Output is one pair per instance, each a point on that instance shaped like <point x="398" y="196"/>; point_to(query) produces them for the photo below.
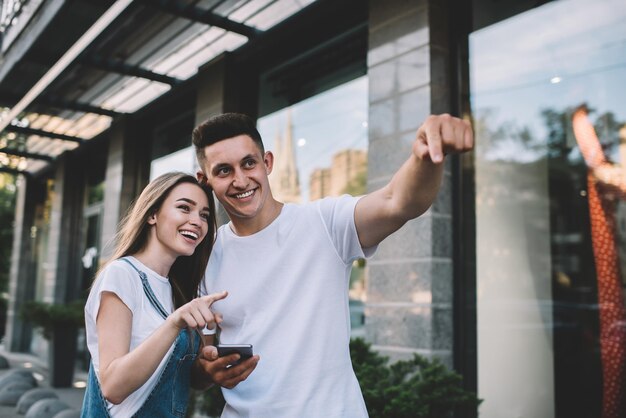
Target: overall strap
<point x="148" y="290"/>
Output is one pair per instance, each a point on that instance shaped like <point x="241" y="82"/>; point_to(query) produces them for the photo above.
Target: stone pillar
<point x="62" y="260"/>
<point x="210" y="98"/>
<point x="22" y="274"/>
<point x="409" y="282"/>
<point x="225" y="86"/>
<point x="126" y="174"/>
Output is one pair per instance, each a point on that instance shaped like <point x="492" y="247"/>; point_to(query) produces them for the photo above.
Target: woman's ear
<point x="152" y="219"/>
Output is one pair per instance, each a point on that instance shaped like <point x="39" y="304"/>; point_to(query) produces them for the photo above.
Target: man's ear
<point x="201" y="177"/>
<point x="268" y="160"/>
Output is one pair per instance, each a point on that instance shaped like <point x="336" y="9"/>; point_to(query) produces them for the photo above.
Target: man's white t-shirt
<point x="121" y="279"/>
<point x="288" y="297"/>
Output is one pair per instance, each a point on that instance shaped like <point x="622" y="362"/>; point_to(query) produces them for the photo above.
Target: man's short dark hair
<point x="224" y="126"/>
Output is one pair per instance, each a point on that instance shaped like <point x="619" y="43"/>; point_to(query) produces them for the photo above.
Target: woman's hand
<point x="197" y="313"/>
<point x="121" y="371"/>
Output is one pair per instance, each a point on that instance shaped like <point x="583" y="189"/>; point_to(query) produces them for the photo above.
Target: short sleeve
<point x="119" y="279"/>
<point x="337" y="214"/>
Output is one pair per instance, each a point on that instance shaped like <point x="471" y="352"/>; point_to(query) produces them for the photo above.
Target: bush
<point x="48" y="316"/>
<point x="417" y="388"/>
<point x="210" y="402"/>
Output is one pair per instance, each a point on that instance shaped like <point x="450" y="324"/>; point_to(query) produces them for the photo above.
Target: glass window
<point x="548" y="90"/>
<point x="319" y="144"/>
<point x="320" y="148"/>
<point x="183" y="160"/>
<point x="171" y="147"/>
<point x="95" y="193"/>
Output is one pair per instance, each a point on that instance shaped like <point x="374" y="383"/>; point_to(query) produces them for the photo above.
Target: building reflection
<point x="347" y="174"/>
<point x="605" y="185"/>
<point x="325" y="163"/>
<point x="284" y="178"/>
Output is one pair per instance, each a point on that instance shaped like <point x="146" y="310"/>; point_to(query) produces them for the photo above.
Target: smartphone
<point x="244" y="351"/>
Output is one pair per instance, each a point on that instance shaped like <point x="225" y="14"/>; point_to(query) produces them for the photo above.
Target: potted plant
<point x="59" y="324"/>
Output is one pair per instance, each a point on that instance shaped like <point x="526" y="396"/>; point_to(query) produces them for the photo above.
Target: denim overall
<point x="170" y="395"/>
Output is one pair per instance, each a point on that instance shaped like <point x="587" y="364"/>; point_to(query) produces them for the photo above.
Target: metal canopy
<point x="13" y="171"/>
<point x="120" y="67"/>
<point x="197" y="14"/>
<point x="61" y="103"/>
<point x="47" y="134"/>
<point x="71" y="71"/>
<point x="27" y="155"/>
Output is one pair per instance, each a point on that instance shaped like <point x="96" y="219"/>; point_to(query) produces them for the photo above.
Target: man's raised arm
<point x="414" y="186"/>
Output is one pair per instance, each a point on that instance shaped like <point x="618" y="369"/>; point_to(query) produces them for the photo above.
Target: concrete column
<point x="61" y="279"/>
<point x="210" y="98"/>
<point x="211" y="86"/>
<point x="225" y="86"/>
<point x="409" y="282"/>
<point x="22" y="273"/>
<point x="126" y="174"/>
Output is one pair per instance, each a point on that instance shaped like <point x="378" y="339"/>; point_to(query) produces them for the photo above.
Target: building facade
<point x="514" y="277"/>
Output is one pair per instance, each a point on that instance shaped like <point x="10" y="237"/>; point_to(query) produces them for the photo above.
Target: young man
<point x="286" y="268"/>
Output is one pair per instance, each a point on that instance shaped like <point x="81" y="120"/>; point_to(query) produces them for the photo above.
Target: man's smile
<point x="243" y="195"/>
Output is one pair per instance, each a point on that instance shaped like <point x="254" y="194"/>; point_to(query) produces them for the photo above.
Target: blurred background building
<point x="514" y="277"/>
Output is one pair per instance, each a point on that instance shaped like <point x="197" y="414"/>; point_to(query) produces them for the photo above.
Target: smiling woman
<point x="143" y="303"/>
<point x="178" y="226"/>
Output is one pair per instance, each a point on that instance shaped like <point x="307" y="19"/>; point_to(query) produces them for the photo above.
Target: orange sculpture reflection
<point x="605" y="182"/>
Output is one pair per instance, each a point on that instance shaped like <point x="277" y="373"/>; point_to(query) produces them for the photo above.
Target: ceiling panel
<point x="144" y="36"/>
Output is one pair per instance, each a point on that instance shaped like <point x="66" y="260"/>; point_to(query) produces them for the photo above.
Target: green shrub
<point x="47" y="316"/>
<point x="210" y="402"/>
<point x="416" y="388"/>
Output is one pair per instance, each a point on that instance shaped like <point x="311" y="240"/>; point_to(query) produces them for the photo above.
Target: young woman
<point x="142" y="310"/>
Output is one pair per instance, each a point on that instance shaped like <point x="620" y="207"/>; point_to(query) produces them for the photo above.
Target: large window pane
<point x="548" y="90"/>
<point x="320" y="148"/>
<point x="183" y="160"/>
<point x="320" y="144"/>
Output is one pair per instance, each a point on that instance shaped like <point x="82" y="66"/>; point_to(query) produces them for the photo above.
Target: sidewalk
<point x="71" y="396"/>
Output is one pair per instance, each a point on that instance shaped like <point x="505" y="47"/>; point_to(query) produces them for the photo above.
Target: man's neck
<point x="248" y="226"/>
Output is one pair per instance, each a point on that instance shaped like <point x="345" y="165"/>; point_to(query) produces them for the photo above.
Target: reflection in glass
<point x="550" y="211"/>
<point x="183" y="160"/>
<point x="605" y="185"/>
<point x="319" y="144"/>
<point x="320" y="150"/>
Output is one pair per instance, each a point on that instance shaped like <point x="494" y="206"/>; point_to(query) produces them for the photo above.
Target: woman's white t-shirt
<point x="122" y="280"/>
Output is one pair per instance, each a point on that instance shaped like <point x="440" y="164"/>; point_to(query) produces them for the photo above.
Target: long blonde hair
<point x="187" y="272"/>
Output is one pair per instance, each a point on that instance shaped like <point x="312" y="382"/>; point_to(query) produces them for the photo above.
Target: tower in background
<point x="284" y="178"/>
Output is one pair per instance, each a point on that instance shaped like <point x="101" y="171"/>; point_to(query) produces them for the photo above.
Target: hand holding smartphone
<point x="244" y="351"/>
